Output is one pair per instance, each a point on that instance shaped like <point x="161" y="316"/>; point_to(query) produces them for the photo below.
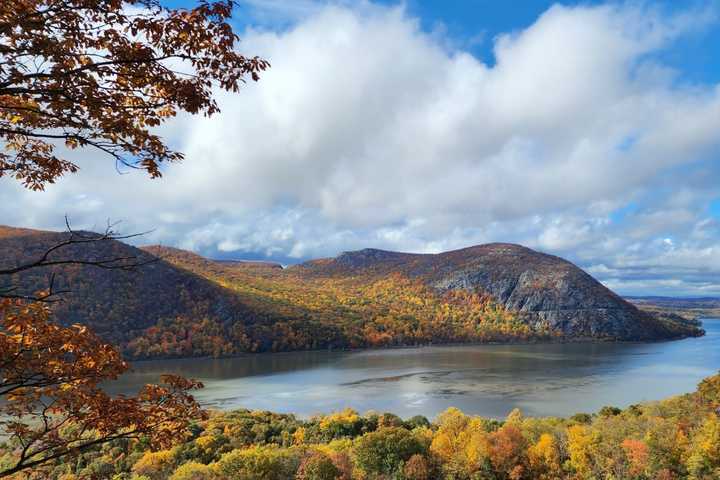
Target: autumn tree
<point x="51" y="403"/>
<point x="417" y="468"/>
<point x="259" y="463"/>
<point x="385" y="451"/>
<point x="101" y="74"/>
<point x="544" y="458"/>
<point x="194" y="471"/>
<point x="317" y="466"/>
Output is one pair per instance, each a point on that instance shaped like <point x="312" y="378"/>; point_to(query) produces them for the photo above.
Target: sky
<point x="587" y="130"/>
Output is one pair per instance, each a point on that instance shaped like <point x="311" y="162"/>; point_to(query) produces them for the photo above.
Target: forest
<point x="295" y="311"/>
<point x="179" y="304"/>
<point x="677" y="438"/>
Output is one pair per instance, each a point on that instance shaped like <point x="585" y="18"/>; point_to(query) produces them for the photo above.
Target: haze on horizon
<point x="589" y="131"/>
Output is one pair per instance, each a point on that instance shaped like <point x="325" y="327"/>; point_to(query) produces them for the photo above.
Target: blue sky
<point x="589" y="130"/>
<point x="473" y="24"/>
<point x="469" y="20"/>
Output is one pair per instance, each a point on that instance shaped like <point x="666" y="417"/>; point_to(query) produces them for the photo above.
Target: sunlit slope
<point x="181" y="304"/>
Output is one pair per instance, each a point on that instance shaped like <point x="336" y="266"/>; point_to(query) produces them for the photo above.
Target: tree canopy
<point x="96" y="74"/>
<point x="52" y="403"/>
<point x="101" y="74"/>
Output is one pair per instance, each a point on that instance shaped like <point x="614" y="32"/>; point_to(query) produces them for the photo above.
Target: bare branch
<point x="47" y="260"/>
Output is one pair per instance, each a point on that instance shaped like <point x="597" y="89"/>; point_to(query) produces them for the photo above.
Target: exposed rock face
<point x="542" y="288"/>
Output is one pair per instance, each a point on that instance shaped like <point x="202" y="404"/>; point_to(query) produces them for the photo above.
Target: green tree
<point x="385" y="451"/>
<point x="259" y="463"/>
<point x="193" y="471"/>
<point x="704" y="461"/>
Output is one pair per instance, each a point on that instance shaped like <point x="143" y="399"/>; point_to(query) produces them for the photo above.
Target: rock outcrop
<point x="543" y="289"/>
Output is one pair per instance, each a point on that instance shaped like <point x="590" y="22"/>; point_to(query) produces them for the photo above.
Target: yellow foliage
<point x="299" y="436"/>
<point x="544" y="457"/>
<point x="155" y="465"/>
<point x="346" y="417"/>
<point x="580" y="448"/>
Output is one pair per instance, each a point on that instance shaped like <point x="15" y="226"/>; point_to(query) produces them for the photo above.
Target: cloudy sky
<point x="591" y="131"/>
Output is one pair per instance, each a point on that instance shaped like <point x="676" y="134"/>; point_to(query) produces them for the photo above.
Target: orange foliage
<point x="637" y="454"/>
<point x="50" y="397"/>
<point x="507" y="448"/>
<point x="101" y="73"/>
<point x="296" y="311"/>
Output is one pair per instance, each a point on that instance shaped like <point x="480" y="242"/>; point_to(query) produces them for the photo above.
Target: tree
<point x="704" y="459"/>
<point x="637" y="455"/>
<point x="51" y="403"/>
<point x="386" y="450"/>
<point x="709" y="392"/>
<point x="507" y="448"/>
<point x="317" y="466"/>
<point x="417" y="468"/>
<point x="194" y="471"/>
<point x="101" y="73"/>
<point x="259" y="463"/>
<point x="155" y="465"/>
<point x="581" y="445"/>
<point x="544" y="458"/>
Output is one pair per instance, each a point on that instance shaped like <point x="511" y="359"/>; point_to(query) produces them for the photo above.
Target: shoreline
<point x="577" y="340"/>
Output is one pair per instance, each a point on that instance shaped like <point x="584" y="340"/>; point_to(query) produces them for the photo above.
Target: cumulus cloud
<point x="368" y="131"/>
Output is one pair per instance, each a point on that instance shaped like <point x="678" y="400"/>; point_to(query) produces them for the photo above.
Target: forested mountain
<point x="180" y="304"/>
<point x="119" y="305"/>
<point x="544" y="291"/>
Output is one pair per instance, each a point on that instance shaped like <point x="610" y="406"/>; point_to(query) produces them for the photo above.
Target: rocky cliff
<point x="543" y="289"/>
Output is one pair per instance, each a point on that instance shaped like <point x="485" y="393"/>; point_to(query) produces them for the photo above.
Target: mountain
<point x="119" y="305"/>
<point x="181" y="304"/>
<point x="543" y="290"/>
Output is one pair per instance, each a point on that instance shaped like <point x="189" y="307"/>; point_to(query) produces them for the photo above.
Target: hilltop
<point x="119" y="305"/>
<point x="181" y="304"/>
<point x="544" y="290"/>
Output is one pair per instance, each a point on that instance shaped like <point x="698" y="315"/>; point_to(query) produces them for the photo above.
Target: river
<point x="487" y="380"/>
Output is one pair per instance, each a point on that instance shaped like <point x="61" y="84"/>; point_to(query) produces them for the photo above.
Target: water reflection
<point x="489" y="380"/>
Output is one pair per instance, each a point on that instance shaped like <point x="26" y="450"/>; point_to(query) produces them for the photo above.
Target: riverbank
<point x="540" y="378"/>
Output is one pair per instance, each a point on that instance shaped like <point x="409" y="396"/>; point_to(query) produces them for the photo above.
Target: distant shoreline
<point x="576" y="340"/>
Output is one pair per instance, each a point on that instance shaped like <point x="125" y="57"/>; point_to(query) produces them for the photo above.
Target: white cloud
<point x="369" y="132"/>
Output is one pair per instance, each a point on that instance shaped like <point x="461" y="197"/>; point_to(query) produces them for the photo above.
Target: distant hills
<point x="688" y="308"/>
<point x="181" y="304"/>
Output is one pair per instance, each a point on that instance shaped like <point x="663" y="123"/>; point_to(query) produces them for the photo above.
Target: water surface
<point x="488" y="380"/>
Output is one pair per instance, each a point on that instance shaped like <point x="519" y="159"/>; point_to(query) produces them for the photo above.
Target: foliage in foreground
<point x="678" y="438"/>
<point x="52" y="405"/>
<point x="101" y="74"/>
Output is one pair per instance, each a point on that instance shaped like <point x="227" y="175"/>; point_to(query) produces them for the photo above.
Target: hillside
<point x="675" y="438"/>
<point x="119" y="305"/>
<point x="545" y="291"/>
<point x="688" y="308"/>
<point x="181" y="304"/>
